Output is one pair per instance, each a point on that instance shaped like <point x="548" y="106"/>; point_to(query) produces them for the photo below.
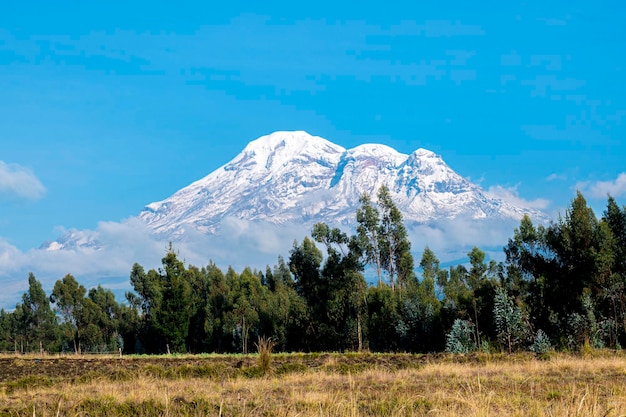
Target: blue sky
<point x="105" y="108"/>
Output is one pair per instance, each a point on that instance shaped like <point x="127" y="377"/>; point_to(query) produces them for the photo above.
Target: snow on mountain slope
<point x="295" y="177"/>
<point x="264" y="182"/>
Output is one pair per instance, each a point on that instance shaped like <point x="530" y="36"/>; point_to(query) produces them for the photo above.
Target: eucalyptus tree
<point x="107" y="316"/>
<point x="286" y="309"/>
<point x="305" y="261"/>
<point x="249" y="307"/>
<point x="368" y="228"/>
<point x="562" y="262"/>
<point x="38" y="318"/>
<point x="612" y="261"/>
<point x="146" y="299"/>
<point x="8" y="332"/>
<point x="394" y="244"/>
<point x="509" y="320"/>
<point x="218" y="305"/>
<point x="346" y="304"/>
<point x="68" y="296"/>
<point x="175" y="310"/>
<point x="383" y="239"/>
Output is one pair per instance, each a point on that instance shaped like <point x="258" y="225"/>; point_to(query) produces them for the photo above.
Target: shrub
<point x="264" y="347"/>
<point x="460" y="338"/>
<point x="509" y="320"/>
<point x="541" y="346"/>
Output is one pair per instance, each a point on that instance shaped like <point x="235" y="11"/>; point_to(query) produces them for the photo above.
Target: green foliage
<point x="468" y="294"/>
<point x="37" y="322"/>
<point x="567" y="278"/>
<point x="570" y="274"/>
<point x="8" y="331"/>
<point x="341" y="313"/>
<point x="367" y="217"/>
<point x="304" y="263"/>
<point x="509" y="320"/>
<point x="394" y="245"/>
<point x="264" y="348"/>
<point x="382" y="306"/>
<point x="249" y="302"/>
<point x="28" y="382"/>
<point x="172" y="318"/>
<point x="541" y="345"/>
<point x="460" y="339"/>
<point x="68" y="296"/>
<point x="382" y="240"/>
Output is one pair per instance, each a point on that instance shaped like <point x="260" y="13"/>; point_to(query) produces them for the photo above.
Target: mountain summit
<point x="296" y="177"/>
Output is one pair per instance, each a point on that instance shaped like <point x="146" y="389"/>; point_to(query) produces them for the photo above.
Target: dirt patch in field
<point x="75" y="368"/>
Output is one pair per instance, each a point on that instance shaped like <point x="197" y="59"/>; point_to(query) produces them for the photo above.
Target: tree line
<point x="560" y="286"/>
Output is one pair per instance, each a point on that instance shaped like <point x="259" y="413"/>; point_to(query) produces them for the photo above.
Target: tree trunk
<point x="391" y="271"/>
<point x="359" y="331"/>
<point x="476" y="318"/>
<point x="244" y="336"/>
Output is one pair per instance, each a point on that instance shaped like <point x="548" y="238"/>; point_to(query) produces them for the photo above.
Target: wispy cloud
<point x="21" y="182"/>
<point x="240" y="244"/>
<point x="555" y="176"/>
<point x="451" y="240"/>
<point x="121" y="244"/>
<point x="511" y="195"/>
<point x="600" y="189"/>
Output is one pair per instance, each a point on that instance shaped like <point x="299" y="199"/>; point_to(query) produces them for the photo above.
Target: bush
<point x="461" y="337"/>
<point x="264" y="347"/>
<point x="541" y="346"/>
<point x="509" y="320"/>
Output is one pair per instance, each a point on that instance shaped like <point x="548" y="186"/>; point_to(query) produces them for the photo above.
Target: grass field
<point x="315" y="385"/>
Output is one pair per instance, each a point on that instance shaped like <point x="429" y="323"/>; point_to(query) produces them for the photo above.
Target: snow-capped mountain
<point x="73" y="239"/>
<point x="295" y="177"/>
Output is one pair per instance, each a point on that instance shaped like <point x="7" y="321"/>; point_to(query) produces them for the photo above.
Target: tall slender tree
<point x="172" y="318"/>
<point x="147" y="300"/>
<point x="368" y="228"/>
<point x="395" y="247"/>
<point x="69" y="298"/>
<point x="346" y="304"/>
<point x="304" y="262"/>
<point x="38" y="317"/>
<point x="106" y="316"/>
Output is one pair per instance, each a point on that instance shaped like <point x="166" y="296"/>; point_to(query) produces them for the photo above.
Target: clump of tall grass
<point x="264" y="346"/>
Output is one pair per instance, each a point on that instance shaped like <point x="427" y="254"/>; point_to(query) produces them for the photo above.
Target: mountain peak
<point x="295" y="177"/>
<point x="293" y="141"/>
<point x="425" y="153"/>
<point x="375" y="150"/>
<point x="280" y="138"/>
<point x="278" y="148"/>
<point x="299" y="179"/>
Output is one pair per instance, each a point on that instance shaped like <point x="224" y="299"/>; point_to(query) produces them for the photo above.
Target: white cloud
<point x="240" y="244"/>
<point x="600" y="189"/>
<point x="555" y="176"/>
<point x="452" y="239"/>
<point x="511" y="195"/>
<point x="18" y="181"/>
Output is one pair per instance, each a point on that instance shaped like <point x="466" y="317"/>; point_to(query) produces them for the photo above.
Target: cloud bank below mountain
<point x="241" y="243"/>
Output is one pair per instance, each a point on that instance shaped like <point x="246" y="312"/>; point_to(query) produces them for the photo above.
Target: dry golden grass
<point x="444" y="386"/>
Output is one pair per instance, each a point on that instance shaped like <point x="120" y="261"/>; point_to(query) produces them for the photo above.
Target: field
<point x="352" y="384"/>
